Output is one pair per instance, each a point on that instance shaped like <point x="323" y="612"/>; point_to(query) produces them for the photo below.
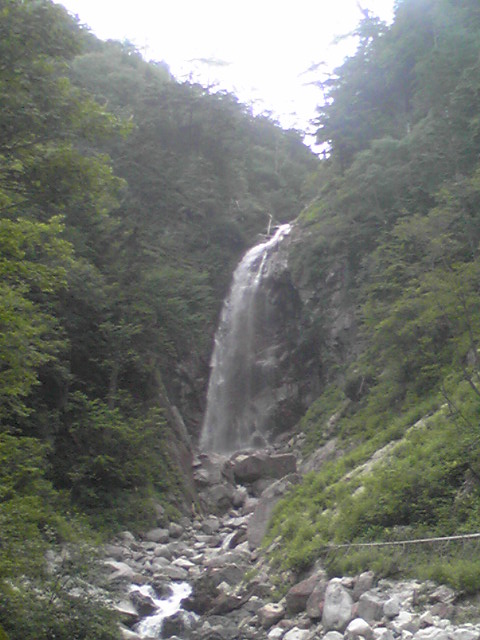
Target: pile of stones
<point x="217" y="553"/>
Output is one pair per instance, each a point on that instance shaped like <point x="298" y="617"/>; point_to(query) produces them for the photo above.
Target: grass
<point x="424" y="486"/>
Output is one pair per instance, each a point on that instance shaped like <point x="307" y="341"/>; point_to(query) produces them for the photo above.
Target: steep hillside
<point x="387" y="260"/>
<point x="125" y="199"/>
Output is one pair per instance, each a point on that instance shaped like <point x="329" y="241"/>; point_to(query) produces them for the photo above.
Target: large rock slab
<point x="258" y="523"/>
<point x="337" y="608"/>
<point x="248" y="468"/>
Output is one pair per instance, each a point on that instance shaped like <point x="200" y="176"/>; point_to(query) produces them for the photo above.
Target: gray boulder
<point x="158" y="535"/>
<point x="248" y="468"/>
<point x="297" y="634"/>
<point x="337" y="608"/>
<point x="358" y="628"/>
<point x="391" y="607"/>
<point x="175" y="530"/>
<point x="258" y="523"/>
<point x="370" y="607"/>
<point x="431" y="633"/>
<point x="363" y="583"/>
<point x="333" y="635"/>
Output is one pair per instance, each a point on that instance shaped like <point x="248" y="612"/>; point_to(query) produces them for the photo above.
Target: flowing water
<point x="243" y="359"/>
<point x="151" y="627"/>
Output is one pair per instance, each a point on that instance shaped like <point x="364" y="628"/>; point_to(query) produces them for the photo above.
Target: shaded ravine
<point x="244" y="357"/>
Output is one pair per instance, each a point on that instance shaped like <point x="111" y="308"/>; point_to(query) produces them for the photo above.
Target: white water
<point x="240" y="360"/>
<point x="151" y="627"/>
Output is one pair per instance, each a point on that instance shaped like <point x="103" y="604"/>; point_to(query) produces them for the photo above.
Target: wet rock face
<point x="263" y="373"/>
<point x="290" y="364"/>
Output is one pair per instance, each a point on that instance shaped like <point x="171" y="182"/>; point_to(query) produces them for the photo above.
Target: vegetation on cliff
<point x="125" y="199"/>
<point x="397" y="223"/>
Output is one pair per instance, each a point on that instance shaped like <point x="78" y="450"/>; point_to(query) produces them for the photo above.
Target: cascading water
<point x="151" y="626"/>
<point x="243" y="360"/>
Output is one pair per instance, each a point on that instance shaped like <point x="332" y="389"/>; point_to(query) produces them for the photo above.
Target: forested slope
<point x="125" y="199"/>
<point x="396" y="226"/>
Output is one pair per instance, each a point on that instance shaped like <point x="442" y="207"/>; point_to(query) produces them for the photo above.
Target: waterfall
<point x="243" y="360"/>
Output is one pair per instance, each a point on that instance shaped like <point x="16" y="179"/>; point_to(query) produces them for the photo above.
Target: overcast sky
<point x="268" y="44"/>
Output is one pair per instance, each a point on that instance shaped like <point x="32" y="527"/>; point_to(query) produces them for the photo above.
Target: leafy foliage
<point x="125" y="198"/>
<point x="35" y="521"/>
<point x="397" y="218"/>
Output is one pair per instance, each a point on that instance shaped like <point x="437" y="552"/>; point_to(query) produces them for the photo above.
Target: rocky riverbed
<point x="213" y="565"/>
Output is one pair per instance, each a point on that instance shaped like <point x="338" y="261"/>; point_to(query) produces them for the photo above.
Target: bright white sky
<point x="269" y="44"/>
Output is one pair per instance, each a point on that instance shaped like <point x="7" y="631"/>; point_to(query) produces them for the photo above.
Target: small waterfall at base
<point x="243" y="359"/>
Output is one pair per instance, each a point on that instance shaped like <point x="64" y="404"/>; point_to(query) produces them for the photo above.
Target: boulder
<point x="217" y="628"/>
<point x="443" y="594"/>
<point x="127" y="537"/>
<point x="204" y="593"/>
<point x="298" y="595"/>
<point x="314" y="606"/>
<point x="222" y="559"/>
<point x="174" y="573"/>
<point x="235" y="538"/>
<point x="258" y="523"/>
<point x="158" y="535"/>
<point x="207" y="469"/>
<point x="142" y="603"/>
<point x="337" y="607"/>
<point x="121" y="572"/>
<point x="239" y="497"/>
<point x="225" y="603"/>
<point x="184" y="563"/>
<point x="466" y="634"/>
<point x="270" y="614"/>
<point x="363" y="583"/>
<point x="248" y="468"/>
<point x="232" y="574"/>
<point x="431" y="633"/>
<point x="218" y="498"/>
<point x="426" y="620"/>
<point x="127" y="634"/>
<point x="163" y="551"/>
<point x="382" y="633"/>
<point x="127" y="612"/>
<point x="391" y="608"/>
<point x="333" y="635"/>
<point x="370" y="607"/>
<point x="405" y="621"/>
<point x="162" y="588"/>
<point x="179" y="624"/>
<point x="115" y="551"/>
<point x="175" y="530"/>
<point x="297" y="634"/>
<point x="358" y="628"/>
<point x="210" y="525"/>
